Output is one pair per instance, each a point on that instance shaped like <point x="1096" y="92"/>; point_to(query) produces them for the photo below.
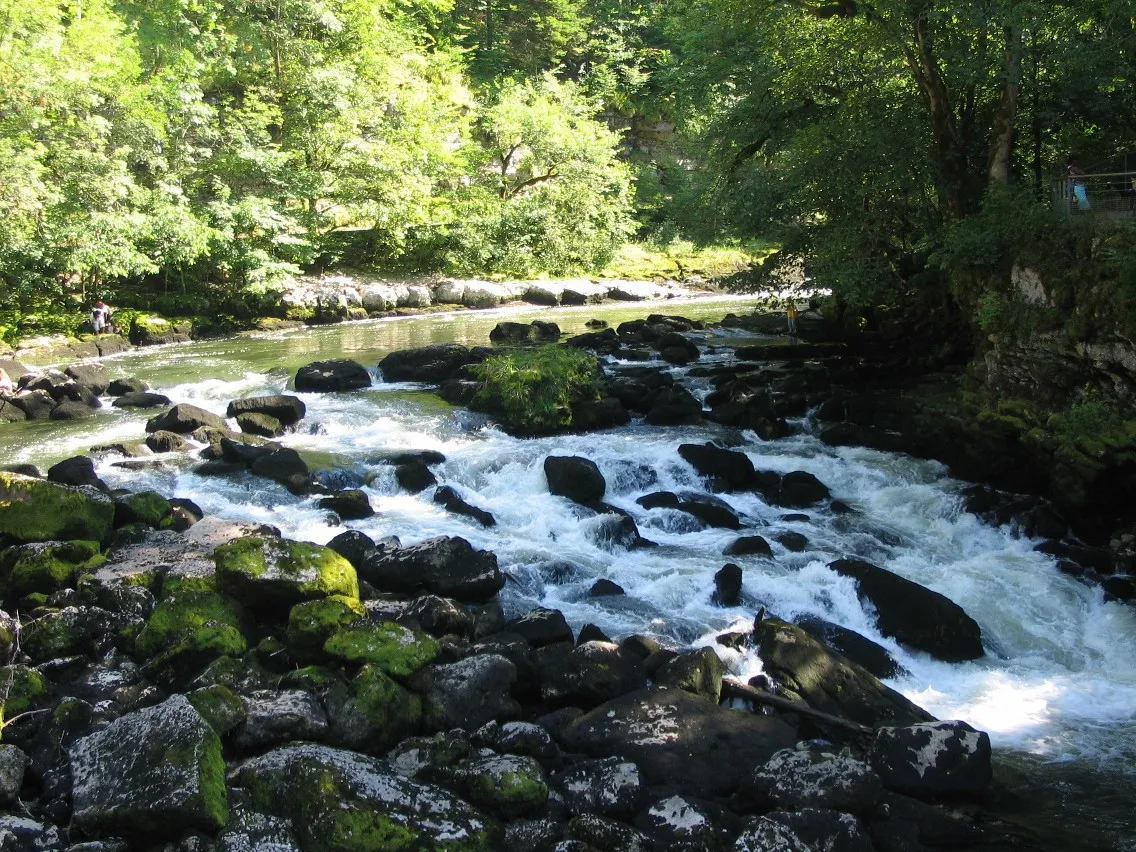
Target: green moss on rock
<point x="192" y="625"/>
<point x="37" y="510"/>
<point x="391" y="710"/>
<point x="46" y="566"/>
<point x="268" y="573"/>
<point x="144" y="507"/>
<point x="312" y="623"/>
<point x="25" y="690"/>
<point x="218" y="706"/>
<point x="510" y="785"/>
<point x="389" y="647"/>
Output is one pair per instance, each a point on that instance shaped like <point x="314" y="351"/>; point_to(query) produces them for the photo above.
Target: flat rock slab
<point x="680" y="739"/>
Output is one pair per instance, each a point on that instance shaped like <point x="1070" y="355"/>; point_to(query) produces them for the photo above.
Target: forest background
<point x="172" y="153"/>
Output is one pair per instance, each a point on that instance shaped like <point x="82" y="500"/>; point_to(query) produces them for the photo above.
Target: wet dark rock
<point x="541" y="627"/>
<point x="77" y="470"/>
<point x="679" y="739"/>
<point x="574" y="477"/>
<point x="446" y="566"/>
<point x="414" y="476"/>
<point x="289" y="410"/>
<point x="603" y="342"/>
<point x="803" y="831"/>
<point x="519" y="332"/>
<point x="255" y="423"/>
<point x="639" y="645"/>
<point x="681" y="822"/>
<point x="428" y="364"/>
<point x="748" y="545"/>
<point x="728" y="585"/>
<point x="123" y="386"/>
<point x="591" y="633"/>
<point x="332" y="376"/>
<point x="730" y="468"/>
<point x="913" y="614"/>
<point x="804" y="777"/>
<point x="427" y="457"/>
<point x="676" y="349"/>
<point x="698" y="672"/>
<point x="800" y="489"/>
<point x="93" y="376"/>
<point x="794" y="542"/>
<point x="933" y="760"/>
<point x="469" y="693"/>
<point x="10" y="413"/>
<point x="280" y="465"/>
<point x="659" y="500"/>
<point x="588" y="674"/>
<point x="524" y="738"/>
<point x="71" y="409"/>
<point x="710" y="513"/>
<point x="184" y="418"/>
<point x="352" y="504"/>
<point x="438" y="616"/>
<point x="674" y="406"/>
<point x="446" y="496"/>
<point x="532" y="835"/>
<point x="36" y="405"/>
<point x="609" y="787"/>
<point x="274" y="718"/>
<point x="827" y="681"/>
<point x="605" y="588"/>
<point x="23" y="833"/>
<point x="508" y="786"/>
<point x="54" y="382"/>
<point x="637" y="387"/>
<point x="861" y="650"/>
<point x="607" y="834"/>
<point x="605" y="413"/>
<point x="141" y="399"/>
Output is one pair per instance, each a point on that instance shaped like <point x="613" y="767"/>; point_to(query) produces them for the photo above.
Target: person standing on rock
<point x="100" y="317"/>
<point x="791" y="318"/>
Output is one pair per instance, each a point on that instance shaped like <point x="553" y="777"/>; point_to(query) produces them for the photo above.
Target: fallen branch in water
<point x="734" y="689"/>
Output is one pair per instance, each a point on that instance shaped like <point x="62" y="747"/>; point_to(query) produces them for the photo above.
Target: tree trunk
<point x="1003" y="134"/>
<point x="488" y="45"/>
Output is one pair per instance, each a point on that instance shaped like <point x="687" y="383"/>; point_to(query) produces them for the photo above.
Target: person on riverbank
<point x="100" y="317"/>
<point x="7" y="386"/>
<point x="1076" y="177"/>
<point x="791" y="318"/>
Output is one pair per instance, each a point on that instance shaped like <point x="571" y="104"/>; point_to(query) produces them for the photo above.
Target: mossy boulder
<point x="509" y="785"/>
<point x="25" y="689"/>
<point x="144" y="507"/>
<point x="312" y="623"/>
<point x="373" y="713"/>
<point x="391" y="648"/>
<point x="219" y="706"/>
<point x="47" y="566"/>
<point x="39" y="510"/>
<point x="155" y="773"/>
<point x="191" y="626"/>
<point x="339" y="801"/>
<point x="66" y="632"/>
<point x="273" y="574"/>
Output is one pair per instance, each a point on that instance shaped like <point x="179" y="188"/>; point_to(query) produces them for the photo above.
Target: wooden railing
<point x="1110" y="193"/>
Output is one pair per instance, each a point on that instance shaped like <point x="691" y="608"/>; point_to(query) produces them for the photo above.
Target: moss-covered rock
<point x="156" y="773"/>
<point x="144" y="507"/>
<point x="192" y="625"/>
<point x="218" y="706"/>
<point x="268" y="574"/>
<point x="312" y="623"/>
<point x="315" y="679"/>
<point x="510" y="785"/>
<point x="25" y="689"/>
<point x="338" y="801"/>
<point x="38" y="510"/>
<point x="389" y="647"/>
<point x="65" y="632"/>
<point x="47" y="566"/>
<point x="373" y="713"/>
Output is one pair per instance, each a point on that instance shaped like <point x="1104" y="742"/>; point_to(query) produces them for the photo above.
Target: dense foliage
<point x="533" y="390"/>
<point x="197" y="152"/>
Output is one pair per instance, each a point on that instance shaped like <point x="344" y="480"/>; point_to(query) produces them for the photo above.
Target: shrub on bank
<point x="533" y="390"/>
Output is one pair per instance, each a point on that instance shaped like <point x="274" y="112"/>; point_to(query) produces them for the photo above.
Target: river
<point x="1056" y="690"/>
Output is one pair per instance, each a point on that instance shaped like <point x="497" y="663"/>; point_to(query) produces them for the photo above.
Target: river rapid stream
<point x="1056" y="690"/>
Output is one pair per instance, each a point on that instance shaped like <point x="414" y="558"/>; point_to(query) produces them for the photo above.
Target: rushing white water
<point x="1059" y="677"/>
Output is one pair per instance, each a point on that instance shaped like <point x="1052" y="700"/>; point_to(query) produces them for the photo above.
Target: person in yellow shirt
<point x="791" y="317"/>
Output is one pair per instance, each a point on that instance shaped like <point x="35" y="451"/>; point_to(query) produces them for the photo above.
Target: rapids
<point x="1056" y="690"/>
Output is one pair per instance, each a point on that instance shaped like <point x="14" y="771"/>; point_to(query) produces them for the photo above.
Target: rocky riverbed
<point x="180" y="681"/>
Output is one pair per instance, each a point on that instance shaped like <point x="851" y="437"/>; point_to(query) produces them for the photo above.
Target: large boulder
<point x="860" y="649"/>
<point x="77" y="471"/>
<point x="574" y="477"/>
<point x="390" y="648"/>
<point x="447" y="566"/>
<point x="429" y="364"/>
<point x="289" y="410"/>
<point x="273" y="574"/>
<point x="933" y="760"/>
<point x="141" y="399"/>
<point x="469" y="693"/>
<point x="93" y="376"/>
<point x="805" y="830"/>
<point x="800" y="489"/>
<point x="809" y="777"/>
<point x="607" y="786"/>
<point x="587" y="675"/>
<point x="679" y="739"/>
<point x="339" y="801"/>
<point x="827" y="681"/>
<point x="372" y="713"/>
<point x="37" y="510"/>
<point x="185" y="418"/>
<point x="337" y="375"/>
<point x="509" y="785"/>
<point x="913" y="614"/>
<point x="674" y="406"/>
<point x="519" y="332"/>
<point x="157" y="772"/>
<point x="731" y="469"/>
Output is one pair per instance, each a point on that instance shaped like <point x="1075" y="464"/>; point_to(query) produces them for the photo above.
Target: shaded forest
<point x="199" y="152"/>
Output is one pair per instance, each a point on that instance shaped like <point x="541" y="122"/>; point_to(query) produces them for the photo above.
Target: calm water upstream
<point x="1056" y="691"/>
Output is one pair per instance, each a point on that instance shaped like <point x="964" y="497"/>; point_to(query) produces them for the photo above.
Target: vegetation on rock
<point x="533" y="390"/>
